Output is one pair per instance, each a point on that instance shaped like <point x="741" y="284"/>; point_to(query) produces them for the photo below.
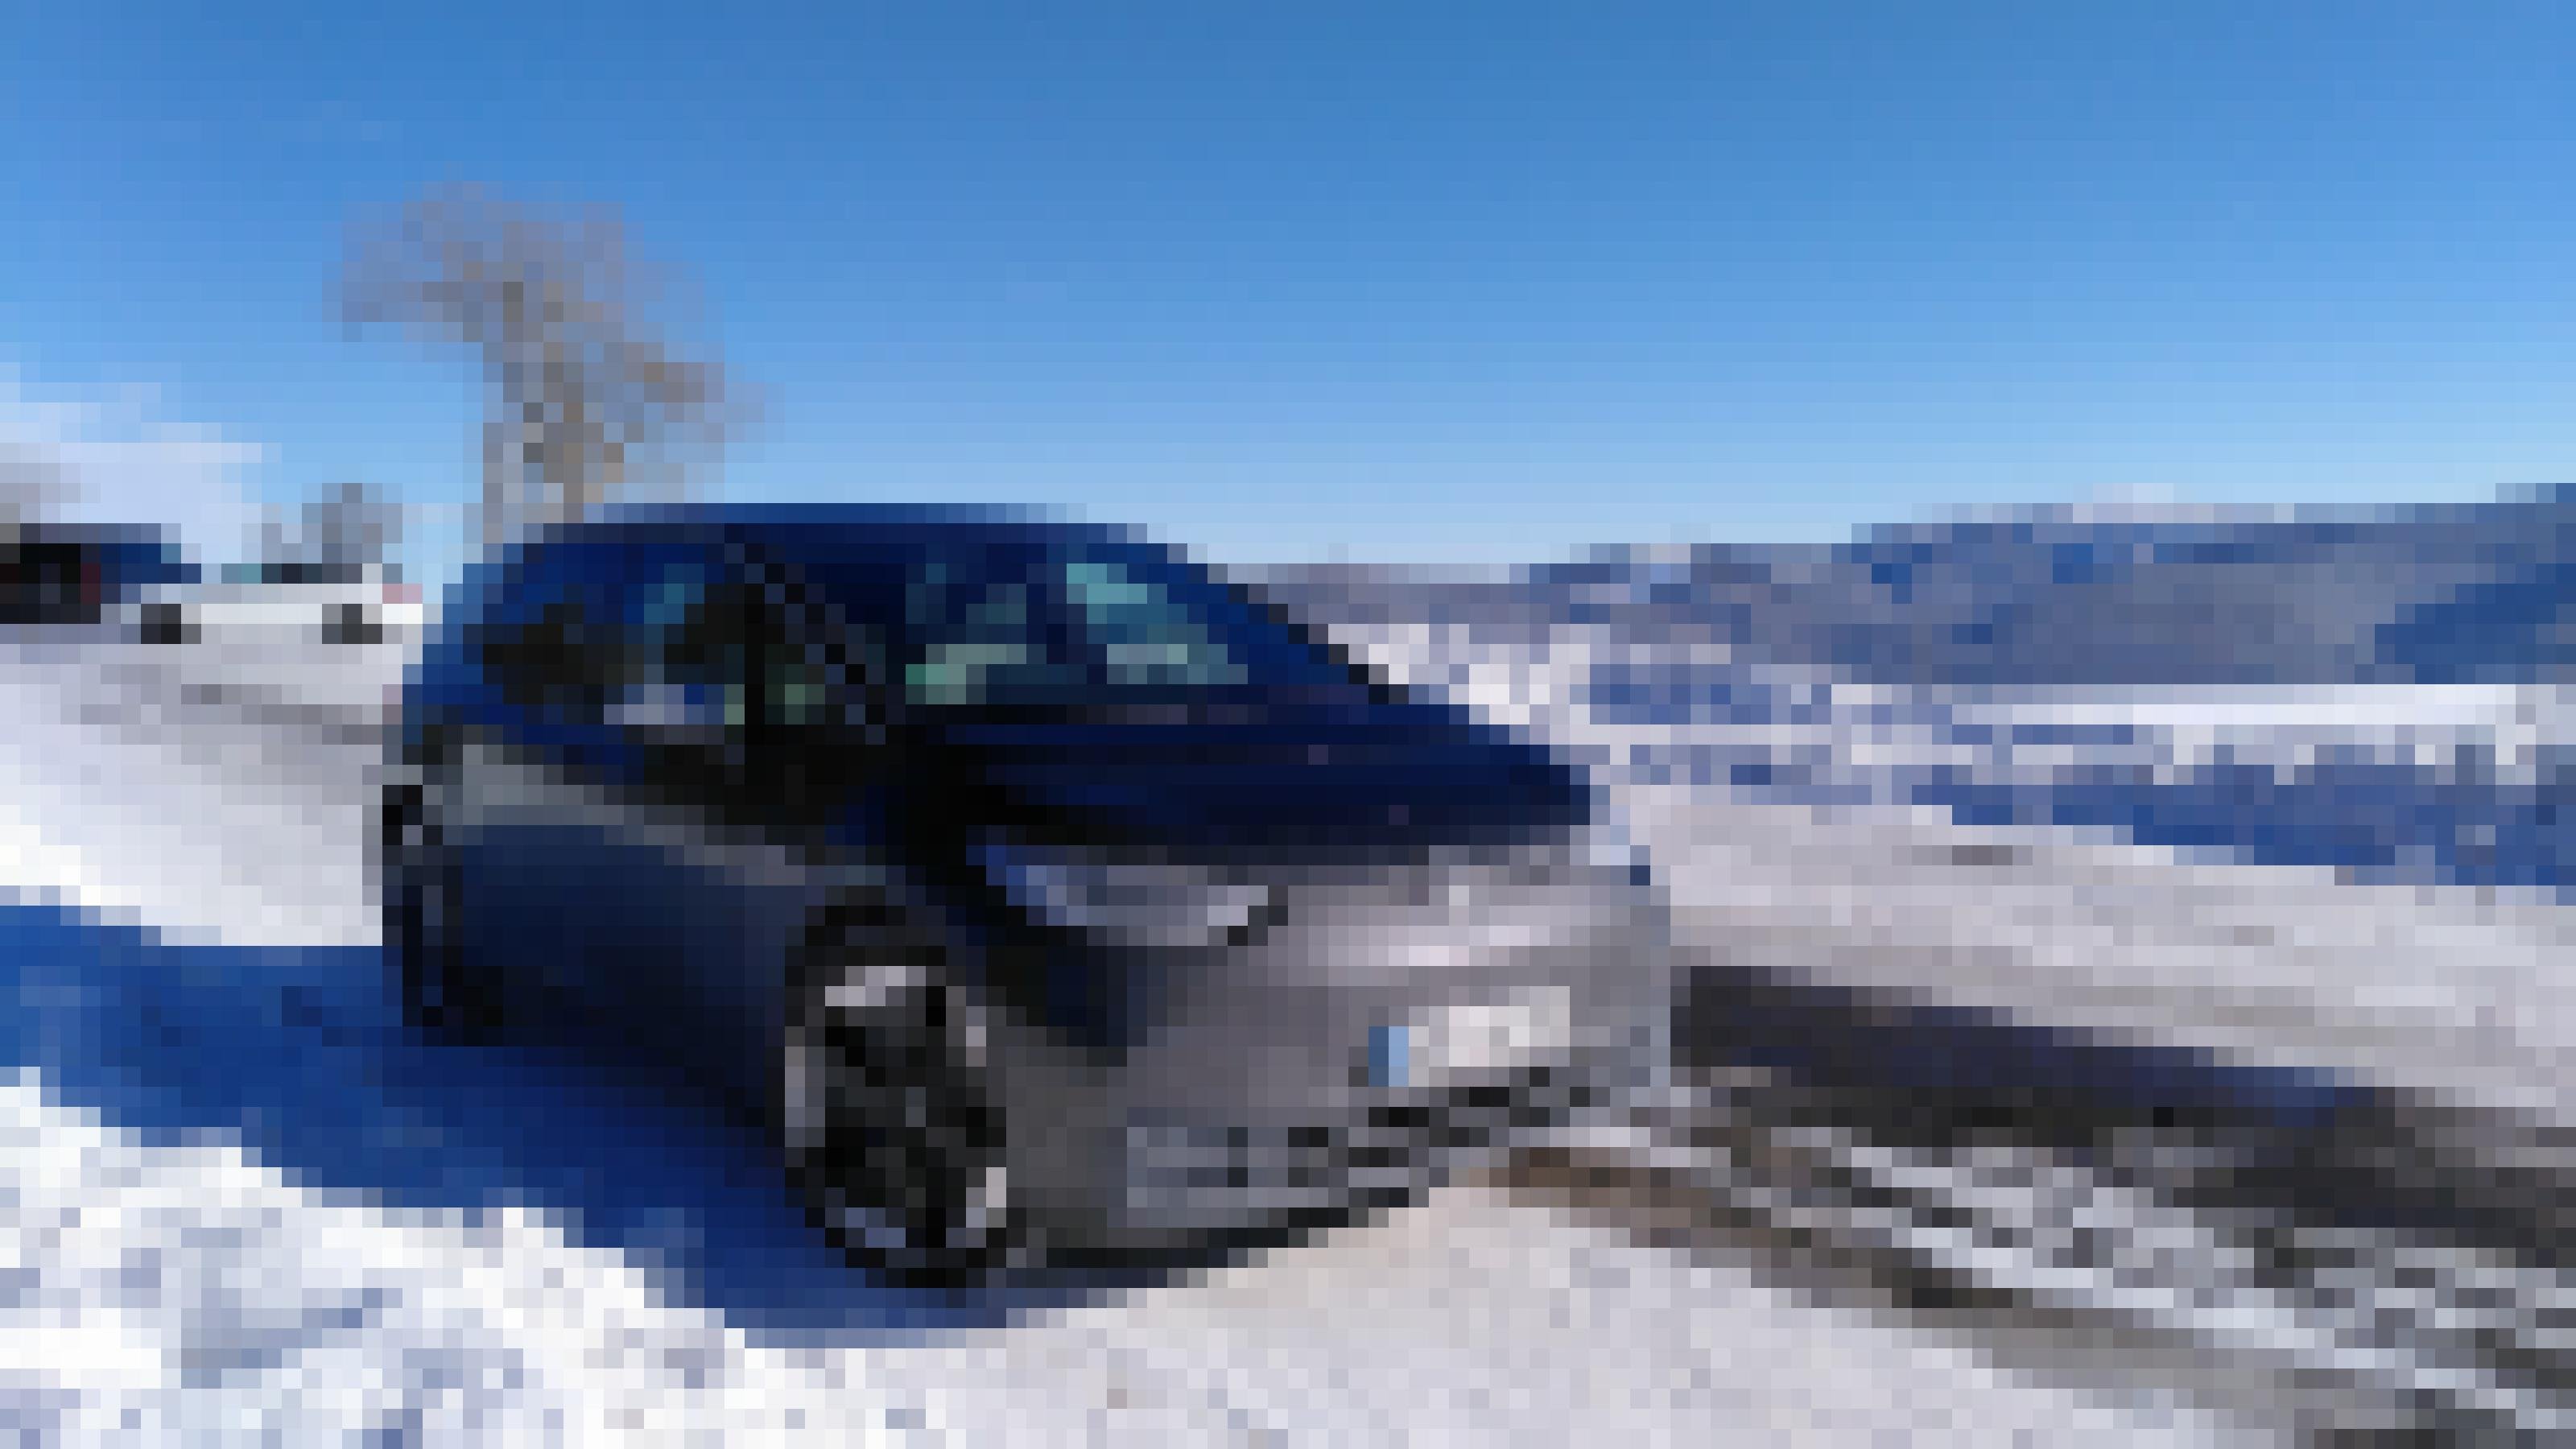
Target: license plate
<point x="1472" y="1039"/>
<point x="1391" y="1055"/>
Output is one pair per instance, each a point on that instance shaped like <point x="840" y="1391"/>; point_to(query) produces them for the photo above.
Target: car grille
<point x="1396" y="1148"/>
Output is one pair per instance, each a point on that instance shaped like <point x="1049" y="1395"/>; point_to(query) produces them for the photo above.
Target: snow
<point x="144" y="802"/>
<point x="224" y="1288"/>
<point x="184" y="1295"/>
<point x="2448" y="990"/>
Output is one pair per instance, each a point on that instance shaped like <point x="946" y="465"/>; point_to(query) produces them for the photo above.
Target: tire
<point x="351" y="624"/>
<point x="887" y="1118"/>
<point x="164" y="624"/>
<point x="419" y="890"/>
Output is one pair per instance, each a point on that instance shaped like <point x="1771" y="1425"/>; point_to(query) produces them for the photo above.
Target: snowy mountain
<point x="2453" y="594"/>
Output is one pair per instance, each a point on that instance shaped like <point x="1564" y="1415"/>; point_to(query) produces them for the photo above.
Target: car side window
<point x="688" y="650"/>
<point x="549" y="648"/>
<point x="731" y="651"/>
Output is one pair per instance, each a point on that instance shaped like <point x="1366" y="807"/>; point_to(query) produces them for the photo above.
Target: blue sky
<point x="1438" y="282"/>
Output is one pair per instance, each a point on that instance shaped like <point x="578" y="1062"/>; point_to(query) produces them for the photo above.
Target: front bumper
<point x="1206" y="1182"/>
<point x="1382" y="1029"/>
<point x="1322" y="1081"/>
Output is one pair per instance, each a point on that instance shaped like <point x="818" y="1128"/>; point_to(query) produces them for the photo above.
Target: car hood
<point x="1365" y="780"/>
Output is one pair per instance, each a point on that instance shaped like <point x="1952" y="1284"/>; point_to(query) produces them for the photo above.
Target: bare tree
<point x="32" y="486"/>
<point x="344" y="531"/>
<point x="587" y="404"/>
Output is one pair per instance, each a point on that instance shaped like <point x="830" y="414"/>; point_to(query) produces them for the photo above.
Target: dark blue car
<point x="67" y="573"/>
<point x="1044" y="893"/>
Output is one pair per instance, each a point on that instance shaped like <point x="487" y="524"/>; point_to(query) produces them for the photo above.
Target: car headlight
<point x="1137" y="903"/>
<point x="1610" y="843"/>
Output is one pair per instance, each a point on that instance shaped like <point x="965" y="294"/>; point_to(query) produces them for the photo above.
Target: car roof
<point x="856" y="551"/>
<point x="876" y="525"/>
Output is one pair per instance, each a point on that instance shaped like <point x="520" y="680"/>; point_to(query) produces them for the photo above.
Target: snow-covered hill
<point x="2472" y="593"/>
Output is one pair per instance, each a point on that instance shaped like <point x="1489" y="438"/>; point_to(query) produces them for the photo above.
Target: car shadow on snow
<point x="299" y="1055"/>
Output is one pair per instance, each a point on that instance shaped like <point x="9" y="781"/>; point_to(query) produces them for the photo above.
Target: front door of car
<point x="742" y="728"/>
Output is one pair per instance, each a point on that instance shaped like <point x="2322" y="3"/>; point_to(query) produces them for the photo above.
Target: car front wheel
<point x="890" y="1127"/>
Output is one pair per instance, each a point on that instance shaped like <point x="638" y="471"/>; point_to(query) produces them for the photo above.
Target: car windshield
<point x="1068" y="618"/>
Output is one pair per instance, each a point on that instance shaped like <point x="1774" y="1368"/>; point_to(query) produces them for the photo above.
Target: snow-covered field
<point x="2446" y="988"/>
<point x="239" y="1210"/>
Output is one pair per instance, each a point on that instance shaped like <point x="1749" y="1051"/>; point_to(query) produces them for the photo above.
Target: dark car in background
<point x="69" y="573"/>
<point x="1044" y="894"/>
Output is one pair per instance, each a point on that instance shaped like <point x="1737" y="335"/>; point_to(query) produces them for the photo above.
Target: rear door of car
<point x="610" y="787"/>
<point x="536" y="801"/>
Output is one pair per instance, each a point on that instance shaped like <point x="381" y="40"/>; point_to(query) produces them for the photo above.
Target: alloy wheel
<point x="889" y="1124"/>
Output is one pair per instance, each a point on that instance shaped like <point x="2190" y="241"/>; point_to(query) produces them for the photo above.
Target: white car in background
<point x="326" y="647"/>
<point x="276" y="604"/>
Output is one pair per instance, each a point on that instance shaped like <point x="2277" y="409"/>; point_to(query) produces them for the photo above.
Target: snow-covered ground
<point x="238" y="1213"/>
<point x="212" y="815"/>
<point x="2449" y="989"/>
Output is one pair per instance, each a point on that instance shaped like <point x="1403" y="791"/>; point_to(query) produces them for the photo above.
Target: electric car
<point x="1045" y="894"/>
